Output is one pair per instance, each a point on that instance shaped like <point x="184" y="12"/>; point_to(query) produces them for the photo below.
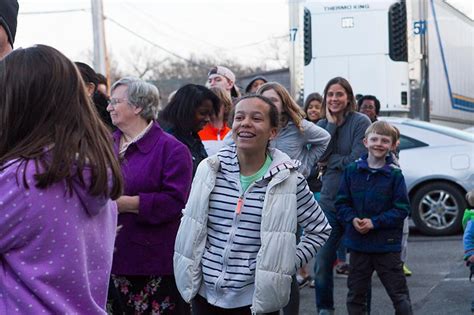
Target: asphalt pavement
<point x="439" y="284"/>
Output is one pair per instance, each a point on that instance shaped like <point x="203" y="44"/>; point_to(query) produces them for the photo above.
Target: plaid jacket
<point x="378" y="194"/>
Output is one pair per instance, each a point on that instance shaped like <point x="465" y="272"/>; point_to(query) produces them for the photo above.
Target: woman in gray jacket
<point x="297" y="137"/>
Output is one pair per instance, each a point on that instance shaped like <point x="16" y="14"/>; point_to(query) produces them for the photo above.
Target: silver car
<point x="438" y="165"/>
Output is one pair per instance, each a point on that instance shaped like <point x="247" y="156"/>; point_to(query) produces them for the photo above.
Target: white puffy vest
<point x="277" y="254"/>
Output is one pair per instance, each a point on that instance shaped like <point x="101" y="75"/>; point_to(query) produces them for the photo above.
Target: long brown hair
<point x="46" y="117"/>
<point x="225" y="101"/>
<point x="351" y="102"/>
<point x="295" y="112"/>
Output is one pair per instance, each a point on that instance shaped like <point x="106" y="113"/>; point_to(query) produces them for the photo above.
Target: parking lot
<point x="439" y="284"/>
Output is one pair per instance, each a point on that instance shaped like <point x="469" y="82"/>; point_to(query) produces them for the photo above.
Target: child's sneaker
<point x="407" y="272"/>
<point x="342" y="269"/>
<point x="302" y="282"/>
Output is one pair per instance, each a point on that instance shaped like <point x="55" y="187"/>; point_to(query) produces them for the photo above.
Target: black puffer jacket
<point x="192" y="141"/>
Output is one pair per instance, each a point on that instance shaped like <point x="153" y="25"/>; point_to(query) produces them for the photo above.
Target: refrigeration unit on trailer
<point x="351" y="40"/>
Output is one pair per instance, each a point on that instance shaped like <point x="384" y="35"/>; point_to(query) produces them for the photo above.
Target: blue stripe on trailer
<point x="443" y="59"/>
<point x="463" y="103"/>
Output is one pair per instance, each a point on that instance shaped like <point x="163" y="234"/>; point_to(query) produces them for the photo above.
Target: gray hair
<point x="141" y="94"/>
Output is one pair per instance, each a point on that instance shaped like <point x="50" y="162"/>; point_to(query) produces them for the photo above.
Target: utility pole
<point x="418" y="54"/>
<point x="101" y="60"/>
<point x="425" y="90"/>
<point x="296" y="50"/>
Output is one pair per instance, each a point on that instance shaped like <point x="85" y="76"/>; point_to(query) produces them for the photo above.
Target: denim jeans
<point x="323" y="267"/>
<point x="341" y="253"/>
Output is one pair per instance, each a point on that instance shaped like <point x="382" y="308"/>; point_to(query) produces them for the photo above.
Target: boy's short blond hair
<point x="383" y="128"/>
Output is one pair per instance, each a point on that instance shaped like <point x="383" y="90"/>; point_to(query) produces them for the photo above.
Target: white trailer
<point x="416" y="56"/>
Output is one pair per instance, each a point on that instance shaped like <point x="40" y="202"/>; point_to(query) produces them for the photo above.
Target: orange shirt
<point x="211" y="133"/>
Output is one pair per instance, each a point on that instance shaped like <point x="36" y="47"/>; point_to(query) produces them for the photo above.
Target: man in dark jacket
<point x="370" y="106"/>
<point x="100" y="101"/>
<point x="8" y="17"/>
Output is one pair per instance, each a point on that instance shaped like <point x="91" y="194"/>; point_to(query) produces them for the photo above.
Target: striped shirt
<point x="234" y="218"/>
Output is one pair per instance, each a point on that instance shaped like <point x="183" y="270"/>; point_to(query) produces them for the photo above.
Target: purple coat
<point x="55" y="247"/>
<point x="158" y="168"/>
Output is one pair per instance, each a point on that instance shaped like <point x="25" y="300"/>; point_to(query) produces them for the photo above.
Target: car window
<point x="448" y="131"/>
<point x="410" y="143"/>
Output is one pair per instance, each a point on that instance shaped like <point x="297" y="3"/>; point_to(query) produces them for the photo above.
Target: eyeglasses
<point x="367" y="107"/>
<point x="114" y="101"/>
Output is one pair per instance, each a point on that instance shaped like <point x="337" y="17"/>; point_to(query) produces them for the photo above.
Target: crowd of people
<point x="215" y="204"/>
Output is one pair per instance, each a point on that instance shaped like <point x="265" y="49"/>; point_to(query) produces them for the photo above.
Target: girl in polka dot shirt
<point x="57" y="177"/>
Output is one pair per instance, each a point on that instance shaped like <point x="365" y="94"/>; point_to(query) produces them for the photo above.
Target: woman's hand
<point x="128" y="204"/>
<point x="334" y="119"/>
<point x="330" y="117"/>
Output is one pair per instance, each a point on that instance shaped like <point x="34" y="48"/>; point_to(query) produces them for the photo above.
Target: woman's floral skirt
<point x="156" y="295"/>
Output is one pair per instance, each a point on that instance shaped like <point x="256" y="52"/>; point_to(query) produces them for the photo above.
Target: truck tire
<point x="437" y="208"/>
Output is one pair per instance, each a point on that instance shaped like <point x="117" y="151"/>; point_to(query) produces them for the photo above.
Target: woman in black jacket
<point x="189" y="111"/>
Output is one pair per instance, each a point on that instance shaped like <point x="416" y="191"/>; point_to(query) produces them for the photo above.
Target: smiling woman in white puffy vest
<point x="236" y="251"/>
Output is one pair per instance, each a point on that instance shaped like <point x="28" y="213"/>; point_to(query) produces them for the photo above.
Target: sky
<point x="465" y="6"/>
<point x="243" y="29"/>
<point x="253" y="32"/>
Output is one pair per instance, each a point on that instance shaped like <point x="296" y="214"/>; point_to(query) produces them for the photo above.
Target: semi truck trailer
<point x="415" y="56"/>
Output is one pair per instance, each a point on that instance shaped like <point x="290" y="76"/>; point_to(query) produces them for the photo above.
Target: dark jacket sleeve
<point x="344" y="206"/>
<point x="400" y="206"/>
<point x="339" y="161"/>
<point x="166" y="204"/>
<point x="331" y="129"/>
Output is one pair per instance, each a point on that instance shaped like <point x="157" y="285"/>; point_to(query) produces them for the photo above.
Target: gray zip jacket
<point x="306" y="146"/>
<point x="345" y="147"/>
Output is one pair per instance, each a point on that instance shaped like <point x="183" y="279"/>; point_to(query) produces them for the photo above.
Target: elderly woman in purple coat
<point x="157" y="171"/>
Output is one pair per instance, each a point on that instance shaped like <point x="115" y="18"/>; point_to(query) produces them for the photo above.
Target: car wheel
<point x="437" y="208"/>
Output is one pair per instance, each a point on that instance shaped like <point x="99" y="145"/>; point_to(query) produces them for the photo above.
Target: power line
<point x="259" y="42"/>
<point x="54" y="11"/>
<point x="243" y="18"/>
<point x="146" y="39"/>
<point x="155" y="44"/>
<point x="152" y="21"/>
